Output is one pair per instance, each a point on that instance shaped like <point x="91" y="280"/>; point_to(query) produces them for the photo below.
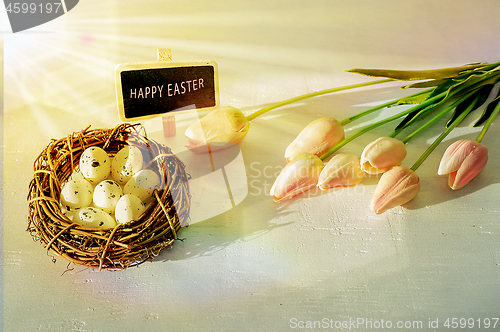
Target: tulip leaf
<point x="419" y="112"/>
<point x="488" y="111"/>
<point x="476" y="100"/>
<point x="411" y="100"/>
<point x="446" y="86"/>
<point x="411" y="117"/>
<point x="455" y="88"/>
<point x="451" y="85"/>
<point x="425" y="84"/>
<point x="472" y="82"/>
<point x="409" y="75"/>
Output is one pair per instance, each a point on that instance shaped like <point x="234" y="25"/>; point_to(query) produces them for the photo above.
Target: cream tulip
<point x="300" y="174"/>
<point x="397" y="186"/>
<point x="463" y="160"/>
<point x="382" y="154"/>
<point x="317" y="138"/>
<point x="343" y="170"/>
<point x="219" y="129"/>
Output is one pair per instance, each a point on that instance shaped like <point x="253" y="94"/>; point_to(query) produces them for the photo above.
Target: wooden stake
<point x="168" y="122"/>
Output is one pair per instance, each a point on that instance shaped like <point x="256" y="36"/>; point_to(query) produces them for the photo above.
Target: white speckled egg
<point x="142" y="184"/>
<point x="71" y="214"/>
<point x="94" y="218"/>
<point x="95" y="164"/>
<point x="126" y="163"/>
<point x="106" y="195"/>
<point x="128" y="208"/>
<point x="76" y="194"/>
<point x="77" y="174"/>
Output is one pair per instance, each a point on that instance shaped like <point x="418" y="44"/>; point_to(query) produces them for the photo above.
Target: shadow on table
<point x="434" y="188"/>
<point x="263" y="150"/>
<point x="257" y="214"/>
<point x="249" y="220"/>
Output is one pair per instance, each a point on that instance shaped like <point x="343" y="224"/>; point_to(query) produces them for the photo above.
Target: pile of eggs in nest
<point x="104" y="192"/>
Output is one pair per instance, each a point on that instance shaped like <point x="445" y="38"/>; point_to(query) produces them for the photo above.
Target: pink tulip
<point x="343" y="170"/>
<point x="463" y="160"/>
<point x="317" y="138"/>
<point x="382" y="154"/>
<point x="300" y="174"/>
<point x="221" y="128"/>
<point x="397" y="186"/>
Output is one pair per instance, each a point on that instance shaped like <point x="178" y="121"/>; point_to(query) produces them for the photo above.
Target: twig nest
<point x="88" y="235"/>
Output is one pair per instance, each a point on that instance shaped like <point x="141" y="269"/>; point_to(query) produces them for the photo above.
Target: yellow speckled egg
<point x="76" y="194"/>
<point x="106" y="195"/>
<point x="128" y="208"/>
<point x="142" y="184"/>
<point x="94" y="218"/>
<point x="95" y="164"/>
<point x="126" y="163"/>
<point x="77" y="174"/>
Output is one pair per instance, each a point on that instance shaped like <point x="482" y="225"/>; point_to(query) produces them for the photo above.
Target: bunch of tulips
<point x="457" y="91"/>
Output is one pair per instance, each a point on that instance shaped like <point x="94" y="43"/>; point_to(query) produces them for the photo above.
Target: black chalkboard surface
<point x="146" y="90"/>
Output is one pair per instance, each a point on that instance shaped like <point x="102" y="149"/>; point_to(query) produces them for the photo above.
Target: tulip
<point x="382" y="154"/>
<point x="397" y="186"/>
<point x="463" y="160"/>
<point x="343" y="170"/>
<point x="300" y="174"/>
<point x="317" y="138"/>
<point x="219" y="129"/>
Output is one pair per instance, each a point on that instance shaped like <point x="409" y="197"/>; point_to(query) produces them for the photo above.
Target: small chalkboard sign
<point x="146" y="90"/>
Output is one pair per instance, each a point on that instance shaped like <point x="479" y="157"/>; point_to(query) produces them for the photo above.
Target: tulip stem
<point x="376" y="108"/>
<point x="380" y="123"/>
<point x="313" y="94"/>
<point x="488" y="123"/>
<point x="426" y="125"/>
<point x="434" y="119"/>
<point x="445" y="133"/>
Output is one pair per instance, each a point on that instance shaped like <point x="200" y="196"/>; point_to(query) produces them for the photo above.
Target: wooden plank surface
<point x="260" y="266"/>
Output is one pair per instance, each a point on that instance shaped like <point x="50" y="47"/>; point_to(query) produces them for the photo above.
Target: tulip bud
<point x="342" y="170"/>
<point x="463" y="160"/>
<point x="382" y="154"/>
<point x="397" y="186"/>
<point x="300" y="174"/>
<point x="220" y="128"/>
<point x="317" y="138"/>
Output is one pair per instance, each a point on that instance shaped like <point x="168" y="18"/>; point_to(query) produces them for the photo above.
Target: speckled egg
<point x="71" y="214"/>
<point x="126" y="163"/>
<point x="128" y="208"/>
<point x="142" y="184"/>
<point x="76" y="194"/>
<point x="95" y="164"/>
<point x="106" y="195"/>
<point x="94" y="218"/>
<point x="77" y="174"/>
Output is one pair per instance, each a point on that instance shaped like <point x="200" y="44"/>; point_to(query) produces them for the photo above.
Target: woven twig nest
<point x="127" y="244"/>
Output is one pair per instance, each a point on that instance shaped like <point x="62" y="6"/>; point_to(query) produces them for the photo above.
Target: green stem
<point x="313" y="94"/>
<point x="488" y="123"/>
<point x="434" y="119"/>
<point x="376" y="108"/>
<point x="490" y="66"/>
<point x="396" y="132"/>
<point x="442" y="136"/>
<point x="380" y="123"/>
<point x="427" y="125"/>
